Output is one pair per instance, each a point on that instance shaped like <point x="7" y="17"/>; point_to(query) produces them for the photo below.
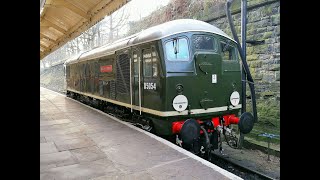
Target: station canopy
<point x="64" y="20"/>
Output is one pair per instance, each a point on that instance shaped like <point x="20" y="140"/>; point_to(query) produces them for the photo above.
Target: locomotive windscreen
<point x="228" y="51"/>
<point x="203" y="42"/>
<point x="177" y="50"/>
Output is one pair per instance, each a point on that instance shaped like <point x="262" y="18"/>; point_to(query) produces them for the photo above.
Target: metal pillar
<point x="244" y="48"/>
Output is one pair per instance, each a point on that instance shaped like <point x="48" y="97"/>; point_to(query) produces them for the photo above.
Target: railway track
<point x="238" y="169"/>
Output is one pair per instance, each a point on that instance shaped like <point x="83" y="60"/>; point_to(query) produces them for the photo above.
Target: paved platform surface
<point x="78" y="142"/>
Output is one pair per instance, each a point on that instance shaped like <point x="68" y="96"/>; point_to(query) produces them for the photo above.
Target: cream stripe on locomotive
<point x="160" y="113"/>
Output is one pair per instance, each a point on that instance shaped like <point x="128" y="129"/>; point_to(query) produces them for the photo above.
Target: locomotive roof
<point x="151" y="34"/>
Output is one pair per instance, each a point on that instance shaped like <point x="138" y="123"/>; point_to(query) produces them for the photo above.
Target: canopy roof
<point x="64" y="20"/>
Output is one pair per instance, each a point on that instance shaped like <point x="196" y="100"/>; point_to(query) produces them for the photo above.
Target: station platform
<point x="80" y="142"/>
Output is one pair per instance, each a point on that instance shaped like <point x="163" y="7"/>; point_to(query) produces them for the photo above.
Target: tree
<point x="116" y="23"/>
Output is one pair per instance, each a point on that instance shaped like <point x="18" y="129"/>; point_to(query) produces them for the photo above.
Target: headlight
<point x="235" y="98"/>
<point x="180" y="103"/>
<point x="179" y="88"/>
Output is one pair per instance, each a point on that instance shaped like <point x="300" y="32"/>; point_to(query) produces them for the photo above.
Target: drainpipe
<point x="246" y="75"/>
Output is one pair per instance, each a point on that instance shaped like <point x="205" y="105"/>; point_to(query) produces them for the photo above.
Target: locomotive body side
<point x="115" y="78"/>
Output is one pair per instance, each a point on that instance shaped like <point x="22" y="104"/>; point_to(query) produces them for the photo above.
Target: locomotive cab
<point x="203" y="73"/>
<point x="209" y="61"/>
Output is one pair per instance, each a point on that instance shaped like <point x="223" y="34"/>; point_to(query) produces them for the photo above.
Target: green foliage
<point x="268" y="118"/>
<point x="249" y="50"/>
<point x="275" y="19"/>
<point x="267" y="10"/>
<point x="252" y="57"/>
<point x="260" y="48"/>
<point x="255" y="64"/>
<point x="267" y="35"/>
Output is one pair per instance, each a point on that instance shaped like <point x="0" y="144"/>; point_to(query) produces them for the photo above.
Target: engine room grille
<point x="123" y="74"/>
<point x="112" y="89"/>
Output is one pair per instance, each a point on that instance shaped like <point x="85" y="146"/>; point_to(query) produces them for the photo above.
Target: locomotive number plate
<point x="150" y="86"/>
<point x="214" y="78"/>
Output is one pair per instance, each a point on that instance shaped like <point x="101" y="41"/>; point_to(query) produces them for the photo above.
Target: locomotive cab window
<point x="177" y="49"/>
<point x="203" y="42"/>
<point x="228" y="51"/>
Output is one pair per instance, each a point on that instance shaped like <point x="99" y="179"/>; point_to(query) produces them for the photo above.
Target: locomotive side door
<point x="136" y="79"/>
<point x="150" y="78"/>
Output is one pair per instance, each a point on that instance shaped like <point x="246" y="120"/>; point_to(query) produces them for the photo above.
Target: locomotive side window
<point x="68" y="71"/>
<point x="97" y="69"/>
<point x="154" y="63"/>
<point x="135" y="64"/>
<point x="203" y="42"/>
<point x="83" y="73"/>
<point x="88" y="73"/>
<point x="228" y="51"/>
<point x="177" y="49"/>
<point x="147" y="63"/>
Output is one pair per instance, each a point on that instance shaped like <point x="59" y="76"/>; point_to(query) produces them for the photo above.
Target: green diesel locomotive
<point x="181" y="78"/>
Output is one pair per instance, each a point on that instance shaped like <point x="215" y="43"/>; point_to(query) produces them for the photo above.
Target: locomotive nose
<point x="246" y="122"/>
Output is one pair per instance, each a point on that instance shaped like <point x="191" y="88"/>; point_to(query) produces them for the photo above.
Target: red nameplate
<point x="107" y="68"/>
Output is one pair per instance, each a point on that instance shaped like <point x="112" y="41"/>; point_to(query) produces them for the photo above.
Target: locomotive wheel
<point x="206" y="144"/>
<point x="153" y="130"/>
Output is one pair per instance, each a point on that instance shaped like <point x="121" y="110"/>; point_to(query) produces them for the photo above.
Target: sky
<point x="136" y="10"/>
<point x="144" y="7"/>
